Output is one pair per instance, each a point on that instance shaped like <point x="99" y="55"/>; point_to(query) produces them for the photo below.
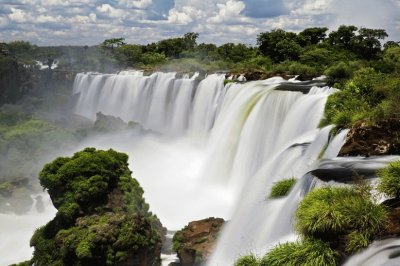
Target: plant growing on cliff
<point x="282" y="187"/>
<point x="102" y="218"/>
<point x="389" y="181"/>
<point x="309" y="252"/>
<point x="247" y="260"/>
<point x="332" y="213"/>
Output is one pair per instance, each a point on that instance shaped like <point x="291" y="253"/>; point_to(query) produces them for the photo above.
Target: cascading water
<point x="255" y="135"/>
<point x="214" y="150"/>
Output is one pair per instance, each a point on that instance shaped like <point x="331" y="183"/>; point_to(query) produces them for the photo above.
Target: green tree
<point x="344" y="37"/>
<point x="369" y="43"/>
<point x="313" y="35"/>
<point x="279" y="45"/>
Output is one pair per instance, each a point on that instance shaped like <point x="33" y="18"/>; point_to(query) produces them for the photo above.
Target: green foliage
<point x="102" y="218"/>
<point x="330" y="212"/>
<point x="84" y="179"/>
<point x="279" y="45"/>
<point x="356" y="241"/>
<point x="24" y="140"/>
<point x="310" y="252"/>
<point x="360" y="99"/>
<point x="339" y="73"/>
<point x="313" y="35"/>
<point x="282" y="187"/>
<point x="247" y="260"/>
<point x="389" y="180"/>
<point x="177" y="240"/>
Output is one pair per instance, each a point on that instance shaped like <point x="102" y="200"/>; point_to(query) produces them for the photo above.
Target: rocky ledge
<point x="196" y="241"/>
<point x="368" y="140"/>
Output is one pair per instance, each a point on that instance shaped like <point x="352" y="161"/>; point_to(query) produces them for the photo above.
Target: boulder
<point x="196" y="241"/>
<point x="368" y="140"/>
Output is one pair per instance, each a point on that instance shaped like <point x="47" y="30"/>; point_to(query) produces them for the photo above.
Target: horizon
<point x="89" y="22"/>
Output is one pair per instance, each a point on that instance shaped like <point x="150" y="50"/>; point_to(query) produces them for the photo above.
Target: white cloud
<point x="135" y="3"/>
<point x="111" y="11"/>
<point x="228" y="11"/>
<point x="48" y="19"/>
<point x="176" y="17"/>
<point x="19" y="15"/>
<point x="217" y="21"/>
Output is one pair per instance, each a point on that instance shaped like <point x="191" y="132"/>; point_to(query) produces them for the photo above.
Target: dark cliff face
<point x="102" y="217"/>
<point x="368" y="140"/>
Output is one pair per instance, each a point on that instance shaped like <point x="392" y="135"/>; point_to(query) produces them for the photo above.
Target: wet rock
<point x="367" y="140"/>
<point x="196" y="241"/>
<point x="107" y="123"/>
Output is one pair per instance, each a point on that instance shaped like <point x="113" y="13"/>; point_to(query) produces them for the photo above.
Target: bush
<point x="282" y="188"/>
<point x="247" y="260"/>
<point x="332" y="213"/>
<point x="338" y="73"/>
<point x="389" y="181"/>
<point x="307" y="253"/>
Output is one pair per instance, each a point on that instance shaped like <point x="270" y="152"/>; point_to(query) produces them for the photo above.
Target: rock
<point x="367" y="140"/>
<point x="196" y="241"/>
<point x="107" y="123"/>
<point x="102" y="217"/>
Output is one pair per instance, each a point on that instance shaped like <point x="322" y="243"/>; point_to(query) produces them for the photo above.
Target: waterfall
<point x="159" y="102"/>
<point x="217" y="151"/>
<point x="253" y="136"/>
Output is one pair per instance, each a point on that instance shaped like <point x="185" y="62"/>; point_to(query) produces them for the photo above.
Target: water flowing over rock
<point x="253" y="134"/>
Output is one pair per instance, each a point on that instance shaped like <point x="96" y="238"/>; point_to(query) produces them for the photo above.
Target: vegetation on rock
<point x="195" y="242"/>
<point x="306" y="253"/>
<point x="335" y="214"/>
<point x="102" y="218"/>
<point x="389" y="180"/>
<point x="248" y="260"/>
<point x="282" y="187"/>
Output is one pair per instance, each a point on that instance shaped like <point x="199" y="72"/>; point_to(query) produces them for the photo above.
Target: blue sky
<point x="81" y="22"/>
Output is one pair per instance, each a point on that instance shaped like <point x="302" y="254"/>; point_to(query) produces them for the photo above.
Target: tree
<point x="235" y="52"/>
<point x="110" y="44"/>
<point x="345" y="36"/>
<point x="313" y="35"/>
<point x="369" y="42"/>
<point x="279" y="45"/>
<point x="190" y="39"/>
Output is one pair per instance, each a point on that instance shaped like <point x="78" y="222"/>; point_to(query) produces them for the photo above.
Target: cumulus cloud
<point x="18" y="15"/>
<point x="56" y="22"/>
<point x="177" y="17"/>
<point x="228" y="11"/>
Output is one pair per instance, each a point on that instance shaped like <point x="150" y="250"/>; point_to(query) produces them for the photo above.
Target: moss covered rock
<point x="102" y="218"/>
<point x="196" y="241"/>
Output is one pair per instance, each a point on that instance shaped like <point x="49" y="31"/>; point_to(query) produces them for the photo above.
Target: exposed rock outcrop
<point x="379" y="139"/>
<point x="102" y="218"/>
<point x="196" y="241"/>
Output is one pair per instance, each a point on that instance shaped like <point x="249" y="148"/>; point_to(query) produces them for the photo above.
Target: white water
<point x="213" y="150"/>
<point x="17" y="230"/>
<point x="240" y="139"/>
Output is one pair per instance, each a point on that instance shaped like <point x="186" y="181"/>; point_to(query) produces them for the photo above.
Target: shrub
<point x="331" y="213"/>
<point x="338" y="73"/>
<point x="282" y="188"/>
<point x="389" y="182"/>
<point x="310" y="252"/>
<point x="248" y="260"/>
